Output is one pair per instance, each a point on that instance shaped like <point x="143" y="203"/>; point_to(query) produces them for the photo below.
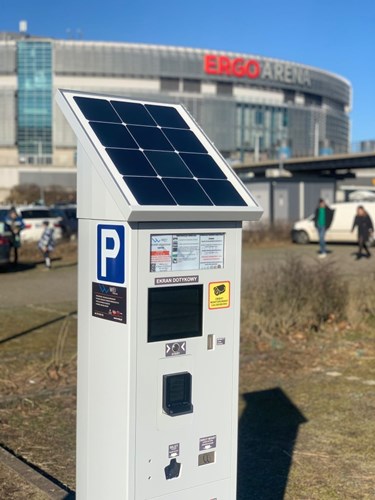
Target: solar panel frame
<point x="91" y="143"/>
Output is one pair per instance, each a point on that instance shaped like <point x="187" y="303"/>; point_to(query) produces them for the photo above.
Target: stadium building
<point x="251" y="107"/>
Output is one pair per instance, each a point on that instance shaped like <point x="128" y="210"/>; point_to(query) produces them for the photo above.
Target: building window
<point x="285" y="118"/>
<point x="224" y="88"/>
<point x="313" y="100"/>
<point x="192" y="86"/>
<point x="34" y="101"/>
<point x="289" y="96"/>
<point x="258" y="117"/>
<point x="169" y="84"/>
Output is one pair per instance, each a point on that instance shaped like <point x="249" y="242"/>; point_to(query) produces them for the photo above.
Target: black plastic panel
<point x="177" y="394"/>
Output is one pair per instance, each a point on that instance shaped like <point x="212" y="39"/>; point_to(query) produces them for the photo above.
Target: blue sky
<point x="338" y="36"/>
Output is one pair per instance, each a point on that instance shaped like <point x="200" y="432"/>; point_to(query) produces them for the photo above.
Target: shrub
<point x="293" y="296"/>
<point x="256" y="233"/>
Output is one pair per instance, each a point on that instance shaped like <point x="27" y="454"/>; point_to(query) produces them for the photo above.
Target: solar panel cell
<point x="187" y="192"/>
<point x="166" y="116"/>
<point x="222" y="193"/>
<point x="150" y="138"/>
<point x="168" y="164"/>
<point x="149" y="191"/>
<point x="133" y="113"/>
<point x="184" y="140"/>
<point x="131" y="162"/>
<point x="97" y="110"/>
<point x="113" y="136"/>
<point x="203" y="166"/>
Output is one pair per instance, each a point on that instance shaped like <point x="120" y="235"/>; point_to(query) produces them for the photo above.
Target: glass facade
<point x="261" y="129"/>
<point x="34" y="101"/>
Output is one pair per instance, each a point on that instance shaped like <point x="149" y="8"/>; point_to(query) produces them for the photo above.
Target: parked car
<point x="68" y="219"/>
<point x="5" y="236"/>
<point x="304" y="231"/>
<point x="3" y="212"/>
<point x="33" y="217"/>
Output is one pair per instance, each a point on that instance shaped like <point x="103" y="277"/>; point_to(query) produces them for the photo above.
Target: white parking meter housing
<point x="160" y="217"/>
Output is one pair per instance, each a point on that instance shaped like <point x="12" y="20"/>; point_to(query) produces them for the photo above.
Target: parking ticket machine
<point x="160" y="220"/>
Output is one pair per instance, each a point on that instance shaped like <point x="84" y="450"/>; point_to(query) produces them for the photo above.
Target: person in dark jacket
<point x="363" y="222"/>
<point x="323" y="220"/>
<point x="15" y="224"/>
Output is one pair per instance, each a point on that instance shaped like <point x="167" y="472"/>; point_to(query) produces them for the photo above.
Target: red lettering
<point x="238" y="67"/>
<point x="210" y="64"/>
<point x="252" y="68"/>
<point x="224" y="65"/>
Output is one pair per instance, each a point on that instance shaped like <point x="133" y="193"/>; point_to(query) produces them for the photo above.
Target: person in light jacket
<point x="363" y="222"/>
<point x="46" y="243"/>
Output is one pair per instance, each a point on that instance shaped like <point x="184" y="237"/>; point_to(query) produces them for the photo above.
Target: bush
<point x="293" y="296"/>
<point x="256" y="233"/>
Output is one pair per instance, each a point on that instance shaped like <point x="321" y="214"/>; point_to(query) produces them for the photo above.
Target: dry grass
<point x="281" y="299"/>
<point x="29" y="252"/>
<point x="257" y="234"/>
<point x="301" y="322"/>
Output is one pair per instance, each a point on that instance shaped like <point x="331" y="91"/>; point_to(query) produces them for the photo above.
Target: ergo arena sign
<point x="240" y="67"/>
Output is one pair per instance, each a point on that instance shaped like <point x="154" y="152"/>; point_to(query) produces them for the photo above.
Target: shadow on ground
<point x="17" y="268"/>
<point x="268" y="431"/>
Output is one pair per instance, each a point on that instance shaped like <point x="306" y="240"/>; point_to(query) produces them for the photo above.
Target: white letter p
<point x="109" y="253"/>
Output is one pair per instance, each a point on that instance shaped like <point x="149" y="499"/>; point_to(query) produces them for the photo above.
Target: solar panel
<point x="157" y="154"/>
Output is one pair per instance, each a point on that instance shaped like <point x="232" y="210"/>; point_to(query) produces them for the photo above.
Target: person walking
<point x="15" y="224"/>
<point x="323" y="219"/>
<point x="46" y="243"/>
<point x="363" y="222"/>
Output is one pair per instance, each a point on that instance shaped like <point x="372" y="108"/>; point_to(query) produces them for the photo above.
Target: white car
<point x="340" y="231"/>
<point x="33" y="217"/>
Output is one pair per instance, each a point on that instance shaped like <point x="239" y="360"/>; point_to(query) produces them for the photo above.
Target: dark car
<point x="68" y="219"/>
<point x="5" y="237"/>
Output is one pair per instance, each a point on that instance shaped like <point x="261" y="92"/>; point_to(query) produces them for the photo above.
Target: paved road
<point x="37" y="285"/>
<point x="344" y="257"/>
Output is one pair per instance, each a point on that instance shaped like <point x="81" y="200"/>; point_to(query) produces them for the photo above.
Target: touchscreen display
<point x="175" y="312"/>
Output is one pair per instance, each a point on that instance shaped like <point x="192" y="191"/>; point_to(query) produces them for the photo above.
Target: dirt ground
<point x="307" y="404"/>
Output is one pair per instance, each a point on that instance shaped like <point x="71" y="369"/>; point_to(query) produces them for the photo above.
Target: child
<point x="46" y="243"/>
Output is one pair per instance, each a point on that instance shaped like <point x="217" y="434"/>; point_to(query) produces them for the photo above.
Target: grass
<point x="306" y="387"/>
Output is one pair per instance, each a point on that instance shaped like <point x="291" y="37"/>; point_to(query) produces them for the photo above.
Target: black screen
<point x="175" y="312"/>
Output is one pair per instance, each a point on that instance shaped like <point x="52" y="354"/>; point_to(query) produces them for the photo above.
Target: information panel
<point x="186" y="252"/>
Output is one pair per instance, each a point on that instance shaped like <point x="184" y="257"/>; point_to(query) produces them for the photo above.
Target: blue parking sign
<point x="111" y="253"/>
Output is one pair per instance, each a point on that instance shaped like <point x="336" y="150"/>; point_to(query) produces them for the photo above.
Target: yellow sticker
<point x="219" y="295"/>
